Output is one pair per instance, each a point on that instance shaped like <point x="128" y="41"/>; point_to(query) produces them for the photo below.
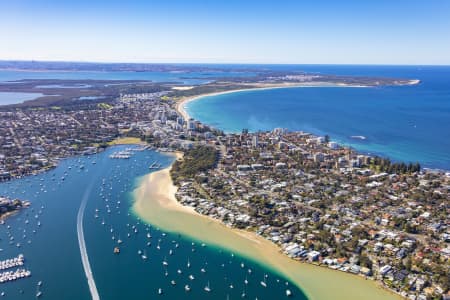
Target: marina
<point x="170" y="265"/>
<point x="12" y="262"/>
<point x="14" y="275"/>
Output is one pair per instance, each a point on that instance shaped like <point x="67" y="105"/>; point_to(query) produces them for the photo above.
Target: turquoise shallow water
<point x="53" y="254"/>
<point x="405" y="123"/>
<point x="409" y="123"/>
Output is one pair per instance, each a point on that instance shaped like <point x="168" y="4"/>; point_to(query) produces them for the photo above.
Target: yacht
<point x="187" y="288"/>
<point x="263" y="283"/>
<point x="38" y="292"/>
<point x="207" y="288"/>
<point x="165" y="263"/>
<point x="288" y="293"/>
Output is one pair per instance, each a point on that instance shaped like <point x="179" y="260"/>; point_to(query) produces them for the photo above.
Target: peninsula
<point x="316" y="201"/>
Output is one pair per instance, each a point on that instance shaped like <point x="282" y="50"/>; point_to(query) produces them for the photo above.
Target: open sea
<point x="410" y="123"/>
<point x="407" y="123"/>
<point x="46" y="234"/>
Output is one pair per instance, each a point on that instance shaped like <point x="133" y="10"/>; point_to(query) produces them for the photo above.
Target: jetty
<point x="155" y="165"/>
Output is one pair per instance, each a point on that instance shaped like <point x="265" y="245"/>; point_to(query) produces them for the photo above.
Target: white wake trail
<point x="82" y="244"/>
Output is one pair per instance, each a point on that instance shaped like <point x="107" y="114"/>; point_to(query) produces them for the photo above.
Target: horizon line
<point x="216" y="63"/>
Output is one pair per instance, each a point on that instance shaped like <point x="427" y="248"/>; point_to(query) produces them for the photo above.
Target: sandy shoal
<point x="155" y="203"/>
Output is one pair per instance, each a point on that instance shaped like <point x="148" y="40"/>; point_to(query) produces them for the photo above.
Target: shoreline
<point x="155" y="202"/>
<point x="180" y="106"/>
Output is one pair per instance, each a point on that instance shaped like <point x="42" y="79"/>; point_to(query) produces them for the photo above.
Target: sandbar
<point x="156" y="204"/>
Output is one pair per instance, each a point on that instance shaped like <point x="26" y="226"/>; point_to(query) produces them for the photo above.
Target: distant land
<point x="215" y="78"/>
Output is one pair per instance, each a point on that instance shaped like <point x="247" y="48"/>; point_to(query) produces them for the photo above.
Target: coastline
<point x="155" y="202"/>
<point x="180" y="106"/>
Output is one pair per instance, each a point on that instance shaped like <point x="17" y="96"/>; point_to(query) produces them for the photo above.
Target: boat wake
<point x="358" y="137"/>
<point x="82" y="244"/>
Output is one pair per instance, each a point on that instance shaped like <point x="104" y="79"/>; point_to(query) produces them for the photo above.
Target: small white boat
<point x="207" y="288"/>
<point x="263" y="283"/>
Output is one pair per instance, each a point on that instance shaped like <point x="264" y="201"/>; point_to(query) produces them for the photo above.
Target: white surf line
<point x="82" y="244"/>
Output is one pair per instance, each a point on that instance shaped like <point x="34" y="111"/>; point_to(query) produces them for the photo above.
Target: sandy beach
<point x="155" y="203"/>
<point x="181" y="104"/>
<point x="126" y="141"/>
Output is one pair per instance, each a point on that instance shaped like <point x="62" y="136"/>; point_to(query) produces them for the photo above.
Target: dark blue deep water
<point x="408" y="123"/>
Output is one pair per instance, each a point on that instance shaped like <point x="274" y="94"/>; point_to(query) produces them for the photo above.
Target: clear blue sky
<point x="242" y="31"/>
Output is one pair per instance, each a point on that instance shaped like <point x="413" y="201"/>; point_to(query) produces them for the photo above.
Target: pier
<point x="155" y="165"/>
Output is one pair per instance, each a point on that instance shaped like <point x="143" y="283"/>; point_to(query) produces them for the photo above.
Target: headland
<point x="155" y="202"/>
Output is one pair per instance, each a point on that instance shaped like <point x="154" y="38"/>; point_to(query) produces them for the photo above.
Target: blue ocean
<point x="406" y="123"/>
<point x="409" y="123"/>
